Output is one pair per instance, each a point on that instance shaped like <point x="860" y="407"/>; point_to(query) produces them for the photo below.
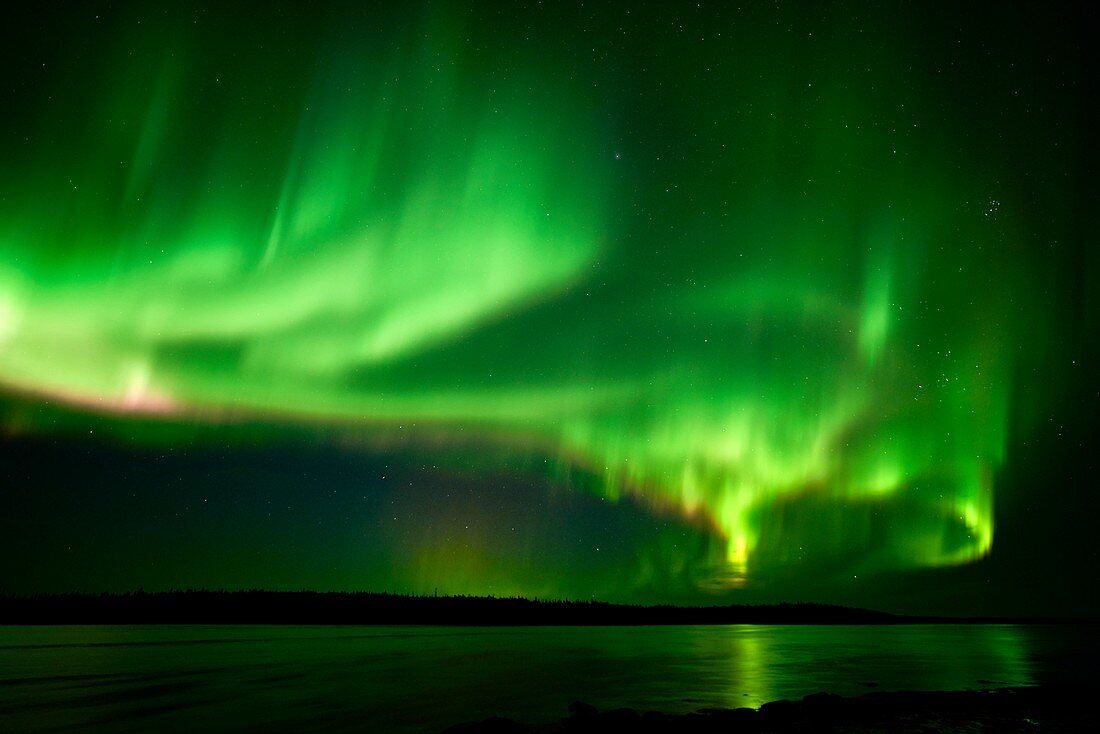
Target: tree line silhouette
<point x="313" y="607"/>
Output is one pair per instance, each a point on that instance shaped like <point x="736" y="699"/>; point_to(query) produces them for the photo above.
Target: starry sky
<point x="698" y="304"/>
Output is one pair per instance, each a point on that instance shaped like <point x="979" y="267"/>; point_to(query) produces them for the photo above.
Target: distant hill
<point x="310" y="607"/>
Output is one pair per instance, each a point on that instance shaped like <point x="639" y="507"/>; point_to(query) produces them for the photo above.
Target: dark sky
<point x="686" y="304"/>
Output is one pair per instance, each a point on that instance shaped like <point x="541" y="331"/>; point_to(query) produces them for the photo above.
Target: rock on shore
<point x="991" y="711"/>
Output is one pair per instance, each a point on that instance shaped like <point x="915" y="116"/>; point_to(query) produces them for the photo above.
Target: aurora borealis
<point x="758" y="296"/>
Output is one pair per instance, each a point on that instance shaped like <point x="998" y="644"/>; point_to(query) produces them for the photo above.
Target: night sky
<point x="688" y="303"/>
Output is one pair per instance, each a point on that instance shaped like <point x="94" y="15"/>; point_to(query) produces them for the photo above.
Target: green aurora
<point x="763" y="276"/>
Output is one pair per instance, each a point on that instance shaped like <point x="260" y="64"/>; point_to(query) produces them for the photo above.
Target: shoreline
<point x="1008" y="709"/>
<point x="261" y="607"/>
